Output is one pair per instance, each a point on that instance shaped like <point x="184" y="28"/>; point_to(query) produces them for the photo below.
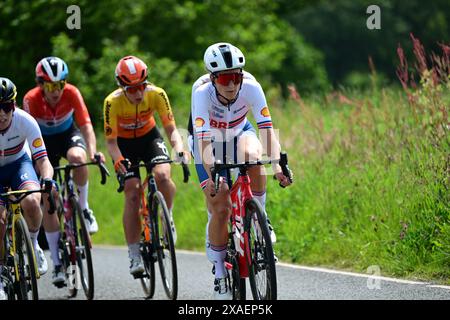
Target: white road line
<point x="316" y="269"/>
<point x="353" y="274"/>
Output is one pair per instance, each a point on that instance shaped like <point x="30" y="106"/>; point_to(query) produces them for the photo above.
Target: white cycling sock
<point x="134" y="250"/>
<point x="207" y="228"/>
<point x="83" y="193"/>
<point x="53" y="241"/>
<point x="34" y="239"/>
<point x="218" y="254"/>
<point x="261" y="197"/>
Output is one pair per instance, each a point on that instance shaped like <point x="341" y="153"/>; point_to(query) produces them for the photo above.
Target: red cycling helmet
<point x="131" y="71"/>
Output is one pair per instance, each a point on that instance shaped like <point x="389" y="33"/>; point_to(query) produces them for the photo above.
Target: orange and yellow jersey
<point x="126" y="120"/>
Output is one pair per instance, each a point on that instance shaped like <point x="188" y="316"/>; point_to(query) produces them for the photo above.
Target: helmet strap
<point x="229" y="101"/>
<point x="10" y="123"/>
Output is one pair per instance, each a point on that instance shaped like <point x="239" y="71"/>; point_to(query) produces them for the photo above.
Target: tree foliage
<point x="170" y="35"/>
<point x="338" y="29"/>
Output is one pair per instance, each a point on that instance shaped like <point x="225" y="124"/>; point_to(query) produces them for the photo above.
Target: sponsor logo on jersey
<point x="265" y="112"/>
<point x="108" y="131"/>
<point x="75" y="139"/>
<point x="218" y="115"/>
<point x="163" y="147"/>
<point x="218" y="109"/>
<point x="166" y="101"/>
<point x="37" y="143"/>
<point x="240" y="109"/>
<point x="218" y="124"/>
<point x="199" y="122"/>
<point x="107" y="111"/>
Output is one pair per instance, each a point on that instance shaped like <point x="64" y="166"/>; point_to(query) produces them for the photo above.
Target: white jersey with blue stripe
<point x="22" y="135"/>
<point x="214" y="121"/>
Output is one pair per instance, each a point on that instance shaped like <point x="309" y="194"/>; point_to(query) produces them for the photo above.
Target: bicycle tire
<point x="83" y="249"/>
<point x="237" y="284"/>
<point x="262" y="271"/>
<point x="26" y="262"/>
<point x="165" y="246"/>
<point x="148" y="279"/>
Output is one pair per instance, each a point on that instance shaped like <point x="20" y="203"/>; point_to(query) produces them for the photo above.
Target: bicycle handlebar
<point x="103" y="170"/>
<point x="284" y="168"/>
<point x="21" y="194"/>
<point x="149" y="165"/>
<point x="218" y="166"/>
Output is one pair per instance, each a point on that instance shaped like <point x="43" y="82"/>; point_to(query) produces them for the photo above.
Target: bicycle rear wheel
<point x="237" y="283"/>
<point x="26" y="287"/>
<point x="164" y="245"/>
<point x="83" y="250"/>
<point x="262" y="272"/>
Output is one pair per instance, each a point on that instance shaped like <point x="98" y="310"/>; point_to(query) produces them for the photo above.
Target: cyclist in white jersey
<point x="19" y="133"/>
<point x="221" y="131"/>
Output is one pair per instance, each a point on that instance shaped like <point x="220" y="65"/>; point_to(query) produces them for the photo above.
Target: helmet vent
<point x="227" y="58"/>
<point x="125" y="80"/>
<point x="214" y="64"/>
<point x="226" y="54"/>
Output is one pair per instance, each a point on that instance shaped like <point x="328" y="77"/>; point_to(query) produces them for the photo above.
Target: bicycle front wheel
<point x="83" y="250"/>
<point x="26" y="286"/>
<point x="164" y="245"/>
<point x="149" y="259"/>
<point x="262" y="272"/>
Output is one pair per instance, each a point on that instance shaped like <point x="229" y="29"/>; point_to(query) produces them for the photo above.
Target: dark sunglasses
<point x="225" y="78"/>
<point x="7" y="106"/>
<point x="136" y="88"/>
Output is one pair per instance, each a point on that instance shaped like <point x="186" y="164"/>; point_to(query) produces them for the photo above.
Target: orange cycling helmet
<point x="131" y="71"/>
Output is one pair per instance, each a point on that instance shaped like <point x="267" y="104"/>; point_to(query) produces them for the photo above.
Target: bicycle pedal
<point x="10" y="261"/>
<point x="60" y="285"/>
<point x="140" y="276"/>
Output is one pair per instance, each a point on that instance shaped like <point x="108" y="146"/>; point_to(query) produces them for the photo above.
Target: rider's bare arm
<point x="174" y="137"/>
<point x="44" y="168"/>
<point x="89" y="136"/>
<point x="205" y="147"/>
<point x="271" y="146"/>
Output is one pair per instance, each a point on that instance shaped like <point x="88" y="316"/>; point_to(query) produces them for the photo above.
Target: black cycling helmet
<point x="8" y="91"/>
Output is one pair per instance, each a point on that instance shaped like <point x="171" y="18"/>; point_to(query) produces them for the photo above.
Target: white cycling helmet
<point x="223" y="56"/>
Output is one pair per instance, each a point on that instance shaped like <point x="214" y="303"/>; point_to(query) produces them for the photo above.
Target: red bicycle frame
<point x="240" y="193"/>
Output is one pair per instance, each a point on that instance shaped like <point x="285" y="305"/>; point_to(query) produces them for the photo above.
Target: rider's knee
<point x="132" y="196"/>
<point x="222" y="211"/>
<point x="31" y="203"/>
<point x="78" y="156"/>
<point x="162" y="177"/>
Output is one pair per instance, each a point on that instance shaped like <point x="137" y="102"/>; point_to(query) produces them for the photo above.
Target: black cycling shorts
<point x="58" y="144"/>
<point x="146" y="148"/>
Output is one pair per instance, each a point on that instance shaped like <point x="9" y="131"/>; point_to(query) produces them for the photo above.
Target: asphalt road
<point x="113" y="282"/>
